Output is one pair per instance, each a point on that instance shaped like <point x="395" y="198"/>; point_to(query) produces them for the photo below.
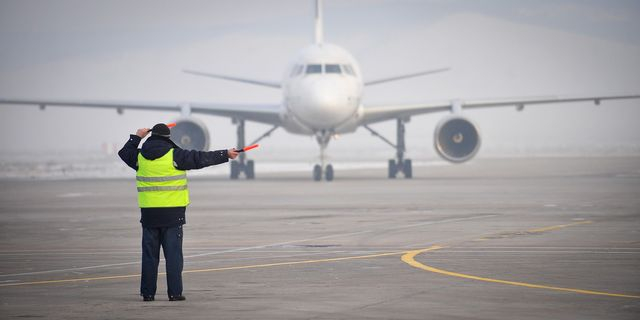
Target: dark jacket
<point x="156" y="147"/>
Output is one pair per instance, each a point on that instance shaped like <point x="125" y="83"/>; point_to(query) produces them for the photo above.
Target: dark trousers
<point x="170" y="238"/>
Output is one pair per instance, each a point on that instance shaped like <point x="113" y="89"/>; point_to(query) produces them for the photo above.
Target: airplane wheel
<point x="317" y="172"/>
<point x="235" y="170"/>
<point x="249" y="170"/>
<point x="328" y="174"/>
<point x="407" y="169"/>
<point x="393" y="169"/>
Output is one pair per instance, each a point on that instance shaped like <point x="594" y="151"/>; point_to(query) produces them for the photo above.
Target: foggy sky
<point x="122" y="50"/>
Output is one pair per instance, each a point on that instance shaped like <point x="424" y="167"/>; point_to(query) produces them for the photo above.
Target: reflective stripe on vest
<point x="155" y="179"/>
<point x="160" y="184"/>
<point x="159" y="188"/>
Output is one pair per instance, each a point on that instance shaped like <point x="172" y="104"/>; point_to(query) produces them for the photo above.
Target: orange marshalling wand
<point x="253" y="146"/>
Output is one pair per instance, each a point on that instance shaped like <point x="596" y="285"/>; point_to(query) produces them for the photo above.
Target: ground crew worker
<point x="163" y="197"/>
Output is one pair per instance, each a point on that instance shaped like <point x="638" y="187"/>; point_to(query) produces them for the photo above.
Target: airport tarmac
<point x="541" y="238"/>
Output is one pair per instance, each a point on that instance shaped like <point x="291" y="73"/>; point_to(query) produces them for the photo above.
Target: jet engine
<point x="190" y="134"/>
<point x="456" y="139"/>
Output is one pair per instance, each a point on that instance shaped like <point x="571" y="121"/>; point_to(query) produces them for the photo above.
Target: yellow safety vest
<point x="160" y="184"/>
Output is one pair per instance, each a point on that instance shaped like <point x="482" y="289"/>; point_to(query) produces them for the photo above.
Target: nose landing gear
<point x="317" y="172"/>
<point x="323" y="138"/>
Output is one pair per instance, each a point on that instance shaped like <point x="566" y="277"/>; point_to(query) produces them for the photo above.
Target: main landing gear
<point x="399" y="164"/>
<point x="323" y="138"/>
<point x="241" y="165"/>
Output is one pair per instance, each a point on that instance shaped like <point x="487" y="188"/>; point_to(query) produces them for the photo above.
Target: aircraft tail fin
<point x="318" y="27"/>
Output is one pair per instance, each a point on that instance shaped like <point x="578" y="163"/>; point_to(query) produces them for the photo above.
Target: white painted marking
<point x="74" y="194"/>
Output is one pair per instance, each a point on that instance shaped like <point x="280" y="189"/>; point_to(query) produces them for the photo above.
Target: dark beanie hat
<point x="161" y="129"/>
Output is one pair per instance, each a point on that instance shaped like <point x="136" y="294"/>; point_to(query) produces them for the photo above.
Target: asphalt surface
<point x="492" y="239"/>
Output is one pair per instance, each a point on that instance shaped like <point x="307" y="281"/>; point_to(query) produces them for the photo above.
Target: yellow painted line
<point x="551" y="228"/>
<point x="409" y="258"/>
<point x="255" y="266"/>
<point x="298" y="262"/>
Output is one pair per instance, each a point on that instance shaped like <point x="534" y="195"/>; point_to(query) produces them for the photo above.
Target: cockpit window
<point x="314" y="68"/>
<point x="332" y="68"/>
<point x="348" y="69"/>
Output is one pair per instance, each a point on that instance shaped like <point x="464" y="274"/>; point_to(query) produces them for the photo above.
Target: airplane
<point x="322" y="97"/>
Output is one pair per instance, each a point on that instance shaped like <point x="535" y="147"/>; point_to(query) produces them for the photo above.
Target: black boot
<point x="177" y="298"/>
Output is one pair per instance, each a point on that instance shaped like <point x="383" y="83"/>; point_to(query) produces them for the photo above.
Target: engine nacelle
<point x="456" y="139"/>
<point x="190" y="134"/>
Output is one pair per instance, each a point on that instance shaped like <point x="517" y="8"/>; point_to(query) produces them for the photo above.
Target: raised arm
<point x="129" y="152"/>
<point x="192" y="159"/>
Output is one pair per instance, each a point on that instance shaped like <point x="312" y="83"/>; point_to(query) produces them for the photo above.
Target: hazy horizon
<point x="497" y="49"/>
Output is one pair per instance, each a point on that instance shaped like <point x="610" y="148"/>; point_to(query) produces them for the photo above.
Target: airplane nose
<point x="324" y="95"/>
<point x="326" y="103"/>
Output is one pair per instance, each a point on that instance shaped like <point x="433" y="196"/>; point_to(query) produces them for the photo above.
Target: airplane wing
<point x="263" y="113"/>
<point x="270" y="84"/>
<point x="375" y="114"/>
<point x="406" y="76"/>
